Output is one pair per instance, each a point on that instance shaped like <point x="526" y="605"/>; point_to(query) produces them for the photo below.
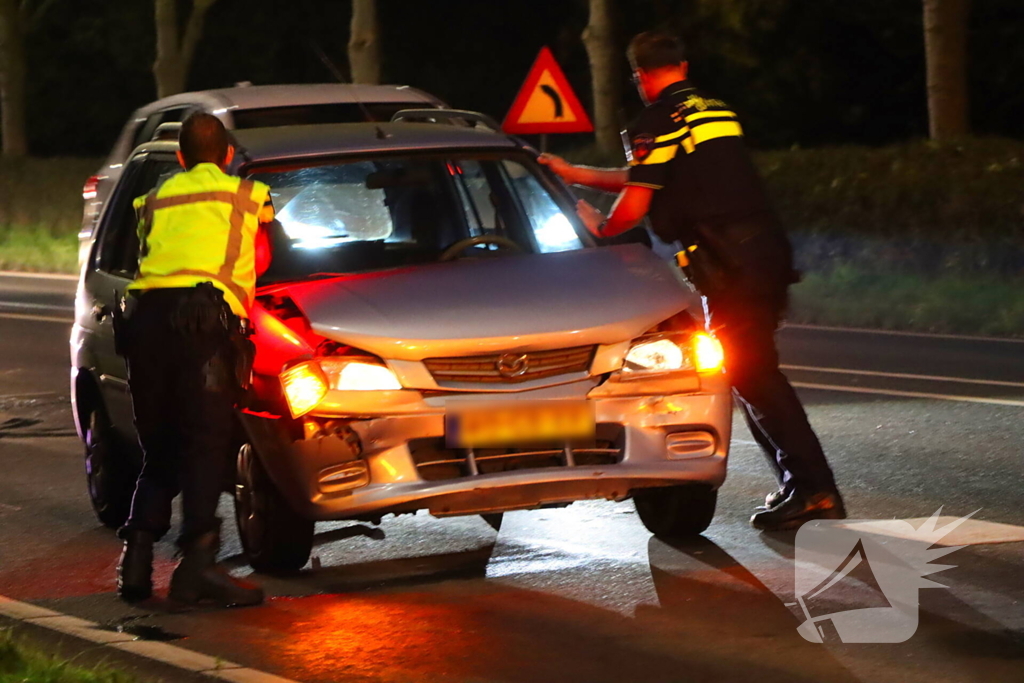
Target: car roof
<point x="264" y="96"/>
<point x="326" y="140"/>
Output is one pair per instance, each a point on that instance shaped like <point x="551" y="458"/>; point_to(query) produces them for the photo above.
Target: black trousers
<point x="181" y="373"/>
<point x="745" y="321"/>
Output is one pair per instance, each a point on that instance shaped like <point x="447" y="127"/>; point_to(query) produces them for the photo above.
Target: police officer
<point x="182" y="334"/>
<point x="689" y="170"/>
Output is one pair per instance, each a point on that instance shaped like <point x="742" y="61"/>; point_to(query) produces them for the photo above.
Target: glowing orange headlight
<point x="305" y="385"/>
<point x="708" y="355"/>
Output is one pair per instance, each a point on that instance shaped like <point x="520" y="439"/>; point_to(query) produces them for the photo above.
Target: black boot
<point x="135" y="570"/>
<point x="797" y="509"/>
<point x="198" y="578"/>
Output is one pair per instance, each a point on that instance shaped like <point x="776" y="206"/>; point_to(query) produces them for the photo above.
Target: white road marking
<point x="971" y="532"/>
<point x="902" y="375"/>
<point x="37" y="318"/>
<point x="164" y="653"/>
<point x="910" y="394"/>
<point x="28" y="395"/>
<point x="41" y="307"/>
<point x="39" y="276"/>
<point x="897" y="333"/>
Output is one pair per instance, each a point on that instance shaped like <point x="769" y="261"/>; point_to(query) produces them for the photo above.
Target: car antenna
<point x="336" y="72"/>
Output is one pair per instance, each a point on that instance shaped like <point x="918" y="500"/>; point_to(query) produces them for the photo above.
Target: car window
<point x="478" y="198"/>
<point x="549" y="228"/>
<point x="389" y="212"/>
<point x="119" y="241"/>
<point x="144" y="133"/>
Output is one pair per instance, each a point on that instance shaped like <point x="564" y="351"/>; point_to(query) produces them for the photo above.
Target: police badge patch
<point x="643" y="145"/>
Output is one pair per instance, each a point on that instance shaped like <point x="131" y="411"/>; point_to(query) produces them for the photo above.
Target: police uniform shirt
<point x="689" y="148"/>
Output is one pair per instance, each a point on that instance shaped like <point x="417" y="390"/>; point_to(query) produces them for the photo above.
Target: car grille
<point x="435" y="462"/>
<point x="511" y="368"/>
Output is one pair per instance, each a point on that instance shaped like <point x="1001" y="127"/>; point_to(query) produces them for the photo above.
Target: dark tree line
<point x="800" y="72"/>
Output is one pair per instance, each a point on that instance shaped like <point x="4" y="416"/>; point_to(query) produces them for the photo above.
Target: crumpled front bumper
<point x="664" y="440"/>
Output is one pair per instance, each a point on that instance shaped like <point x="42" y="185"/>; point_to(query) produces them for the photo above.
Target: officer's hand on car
<point x="591" y="217"/>
<point x="559" y="166"/>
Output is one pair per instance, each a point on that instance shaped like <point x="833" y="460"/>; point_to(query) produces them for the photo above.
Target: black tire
<point x="110" y="475"/>
<point x="275" y="537"/>
<point x="676" y="512"/>
<point x="494" y="519"/>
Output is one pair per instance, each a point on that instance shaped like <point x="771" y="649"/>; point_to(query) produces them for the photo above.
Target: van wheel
<point x="109" y="474"/>
<point x="274" y="536"/>
<point x="676" y="512"/>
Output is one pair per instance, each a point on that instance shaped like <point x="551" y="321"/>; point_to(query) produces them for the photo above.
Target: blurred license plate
<point x="520" y="423"/>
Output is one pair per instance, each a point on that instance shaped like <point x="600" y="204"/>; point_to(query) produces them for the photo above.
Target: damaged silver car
<point x="438" y="332"/>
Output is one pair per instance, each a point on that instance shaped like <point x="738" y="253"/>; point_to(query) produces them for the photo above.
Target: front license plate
<point x="517" y="424"/>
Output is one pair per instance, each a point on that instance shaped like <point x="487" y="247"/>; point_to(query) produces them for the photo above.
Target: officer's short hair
<point x="203" y="139"/>
<point x="655" y="49"/>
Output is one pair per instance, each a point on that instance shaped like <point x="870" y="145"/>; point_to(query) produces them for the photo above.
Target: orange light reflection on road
<point x="412" y="636"/>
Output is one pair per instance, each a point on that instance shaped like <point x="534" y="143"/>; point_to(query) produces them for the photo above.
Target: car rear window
<point x="351" y="112"/>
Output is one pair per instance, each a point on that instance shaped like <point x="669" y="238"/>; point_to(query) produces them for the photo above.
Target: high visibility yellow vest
<point x="200" y="226"/>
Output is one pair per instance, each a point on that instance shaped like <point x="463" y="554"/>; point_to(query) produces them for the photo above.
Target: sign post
<point x="546" y="103"/>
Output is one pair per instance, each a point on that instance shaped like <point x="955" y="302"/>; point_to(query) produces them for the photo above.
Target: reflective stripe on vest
<point x="241" y="202"/>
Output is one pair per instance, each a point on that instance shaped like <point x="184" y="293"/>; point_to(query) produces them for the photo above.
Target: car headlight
<point x="305" y="385"/>
<point x="700" y="351"/>
<point x="359" y="374"/>
<point x="655" y="356"/>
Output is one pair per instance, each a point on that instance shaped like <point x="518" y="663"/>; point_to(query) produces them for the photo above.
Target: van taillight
<point x="89" y="190"/>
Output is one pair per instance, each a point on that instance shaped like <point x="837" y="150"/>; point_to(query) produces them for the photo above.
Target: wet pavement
<point x="581" y="593"/>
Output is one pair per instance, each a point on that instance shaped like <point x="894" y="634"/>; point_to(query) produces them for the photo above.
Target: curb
<point x="160" y="652"/>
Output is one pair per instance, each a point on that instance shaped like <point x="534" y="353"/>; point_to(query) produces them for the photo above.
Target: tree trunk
<point x="12" y="81"/>
<point x="605" y="62"/>
<point x="175" y="49"/>
<point x="945" y="39"/>
<point x="364" y="43"/>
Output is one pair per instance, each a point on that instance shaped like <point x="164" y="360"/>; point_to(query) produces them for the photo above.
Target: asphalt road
<point x="910" y="423"/>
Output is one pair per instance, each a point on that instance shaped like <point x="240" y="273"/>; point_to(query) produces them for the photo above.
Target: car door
<point x="114" y="265"/>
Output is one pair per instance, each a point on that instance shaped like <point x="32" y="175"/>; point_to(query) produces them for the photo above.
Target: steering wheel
<point x="452" y="252"/>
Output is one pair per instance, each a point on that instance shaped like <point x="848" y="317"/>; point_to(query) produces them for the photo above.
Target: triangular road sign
<point x="546" y="102"/>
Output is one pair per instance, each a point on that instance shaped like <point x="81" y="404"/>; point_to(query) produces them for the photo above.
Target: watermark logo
<point x="877" y="564"/>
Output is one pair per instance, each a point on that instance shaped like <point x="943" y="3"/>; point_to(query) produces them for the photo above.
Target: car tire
<point x="676" y="512"/>
<point x="109" y="473"/>
<point x="494" y="519"/>
<point x="275" y="537"/>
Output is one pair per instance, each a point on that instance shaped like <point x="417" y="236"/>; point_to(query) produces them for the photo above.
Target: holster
<point x="245" y="354"/>
<point x="708" y="267"/>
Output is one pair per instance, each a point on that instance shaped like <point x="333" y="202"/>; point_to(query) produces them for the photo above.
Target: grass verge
<point x="20" y="663"/>
<point x="855" y="296"/>
<point x="38" y="251"/>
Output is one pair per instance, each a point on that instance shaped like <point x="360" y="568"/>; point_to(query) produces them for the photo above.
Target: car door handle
<point x="100" y="312"/>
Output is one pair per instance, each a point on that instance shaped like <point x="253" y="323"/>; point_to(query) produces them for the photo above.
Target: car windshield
<point x="374" y="214"/>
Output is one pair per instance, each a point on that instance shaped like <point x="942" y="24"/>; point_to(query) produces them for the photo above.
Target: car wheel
<point x="109" y="474"/>
<point x="494" y="519"/>
<point x="274" y="536"/>
<point x="676" y="512"/>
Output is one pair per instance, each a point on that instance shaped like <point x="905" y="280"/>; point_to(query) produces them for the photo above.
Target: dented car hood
<point x="519" y="302"/>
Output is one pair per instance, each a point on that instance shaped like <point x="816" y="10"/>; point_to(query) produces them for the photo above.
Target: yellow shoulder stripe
<point x="710" y="115"/>
<point x="719" y="129"/>
<point x="660" y="155"/>
<point x="672" y="136"/>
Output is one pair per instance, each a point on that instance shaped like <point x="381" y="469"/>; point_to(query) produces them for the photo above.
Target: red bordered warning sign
<point x="546" y="102"/>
